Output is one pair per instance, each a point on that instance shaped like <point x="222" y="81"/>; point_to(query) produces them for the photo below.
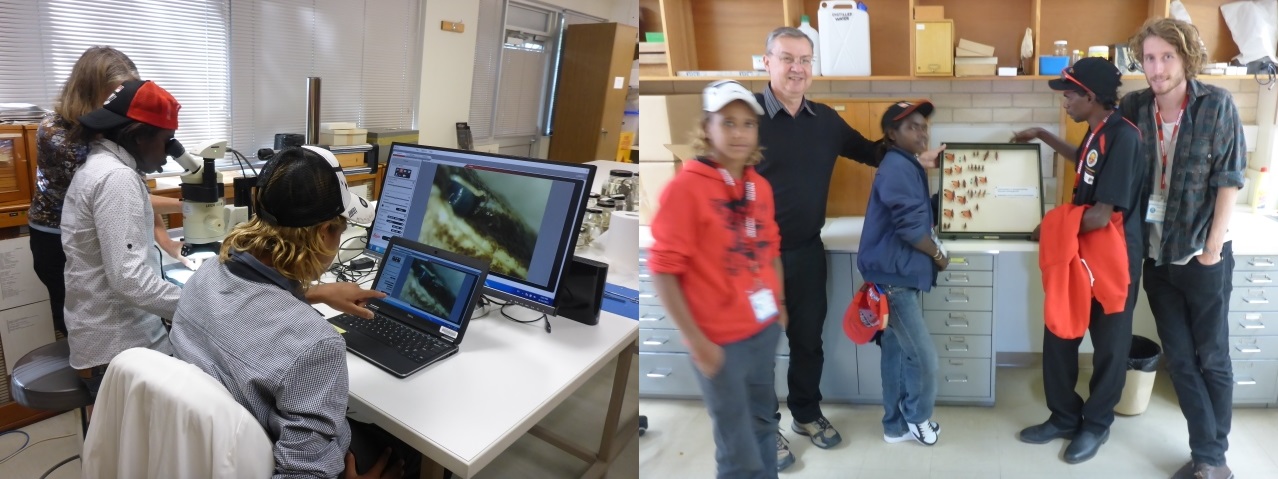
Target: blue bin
<point x="1051" y="65"/>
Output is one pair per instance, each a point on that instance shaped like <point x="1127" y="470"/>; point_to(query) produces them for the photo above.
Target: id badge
<point x="765" y="306"/>
<point x="1157" y="209"/>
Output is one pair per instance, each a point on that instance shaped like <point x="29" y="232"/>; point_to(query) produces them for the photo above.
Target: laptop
<point x="430" y="295"/>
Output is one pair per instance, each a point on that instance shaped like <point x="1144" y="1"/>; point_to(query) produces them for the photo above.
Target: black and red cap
<point x="901" y="109"/>
<point x="135" y="100"/>
<point x="1089" y="75"/>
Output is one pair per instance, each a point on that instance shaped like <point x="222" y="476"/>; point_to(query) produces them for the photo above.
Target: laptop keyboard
<point x="410" y="342"/>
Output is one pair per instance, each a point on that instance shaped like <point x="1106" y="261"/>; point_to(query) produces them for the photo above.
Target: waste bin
<point x="1141" y="363"/>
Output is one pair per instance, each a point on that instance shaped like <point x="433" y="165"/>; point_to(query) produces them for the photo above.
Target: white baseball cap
<point x="719" y="94"/>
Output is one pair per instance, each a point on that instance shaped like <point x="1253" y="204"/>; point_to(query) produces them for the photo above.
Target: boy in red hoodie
<point x="716" y="266"/>
<point x="1111" y="178"/>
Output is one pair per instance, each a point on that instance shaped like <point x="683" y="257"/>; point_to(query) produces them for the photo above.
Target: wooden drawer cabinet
<point x="934" y="48"/>
<point x="17" y="163"/>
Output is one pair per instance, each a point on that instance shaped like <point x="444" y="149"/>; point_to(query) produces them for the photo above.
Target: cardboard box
<point x="975" y="49"/>
<point x="975" y="66"/>
<point x="652" y="58"/>
<point x="652" y="47"/>
<point x="929" y="13"/>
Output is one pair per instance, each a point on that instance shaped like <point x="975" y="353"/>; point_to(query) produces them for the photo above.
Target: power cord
<point x="1270" y="71"/>
<point x="543" y="317"/>
<point x="242" y="161"/>
<point x="60" y="464"/>
<point x="27" y="444"/>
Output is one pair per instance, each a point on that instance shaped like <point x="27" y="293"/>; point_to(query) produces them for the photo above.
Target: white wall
<point x="448" y="61"/>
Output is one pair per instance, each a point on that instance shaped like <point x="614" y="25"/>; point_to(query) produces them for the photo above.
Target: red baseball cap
<point x="135" y="100"/>
<point x="867" y="315"/>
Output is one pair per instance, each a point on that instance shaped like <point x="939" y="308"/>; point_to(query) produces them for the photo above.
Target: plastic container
<point x="1075" y="57"/>
<point x="1261" y="193"/>
<point x="1141" y="367"/>
<point x="1048" y="65"/>
<point x="845" y="38"/>
<point x="805" y="26"/>
<point x="1062" y="49"/>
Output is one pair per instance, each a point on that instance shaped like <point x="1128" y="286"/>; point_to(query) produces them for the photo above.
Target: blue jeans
<point x="742" y="400"/>
<point x="909" y="363"/>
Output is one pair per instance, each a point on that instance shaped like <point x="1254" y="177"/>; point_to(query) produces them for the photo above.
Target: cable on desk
<point x="60" y="464"/>
<point x="543" y="317"/>
<point x="242" y="160"/>
<point x="31" y="444"/>
<point x="25" y="442"/>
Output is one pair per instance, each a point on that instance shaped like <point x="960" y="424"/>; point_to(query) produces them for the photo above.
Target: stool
<point x="44" y="379"/>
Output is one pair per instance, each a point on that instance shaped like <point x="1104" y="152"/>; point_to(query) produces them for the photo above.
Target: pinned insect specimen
<point x="949" y="170"/>
<point x="977" y="207"/>
<point x="958" y="170"/>
<point x="984" y="179"/>
<point x="945" y="226"/>
<point x="949" y="194"/>
<point x="962" y="200"/>
<point x="947" y="213"/>
<point x="965" y="183"/>
<point x="987" y="156"/>
<point x="965" y="226"/>
<point x="966" y="214"/>
<point x="949" y="157"/>
<point x="955" y="183"/>
<point x="996" y="156"/>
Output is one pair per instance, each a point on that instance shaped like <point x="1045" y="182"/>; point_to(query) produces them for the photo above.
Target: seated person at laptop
<point x="244" y="320"/>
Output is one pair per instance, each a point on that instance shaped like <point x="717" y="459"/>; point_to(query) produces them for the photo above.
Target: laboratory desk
<point x="985" y="309"/>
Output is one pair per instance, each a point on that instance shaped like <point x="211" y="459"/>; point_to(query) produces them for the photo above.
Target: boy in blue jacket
<point x="902" y="255"/>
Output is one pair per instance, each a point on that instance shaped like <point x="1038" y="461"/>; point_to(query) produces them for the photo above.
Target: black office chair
<point x="44" y="379"/>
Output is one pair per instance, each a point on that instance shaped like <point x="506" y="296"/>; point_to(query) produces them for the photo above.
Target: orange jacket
<point x="1077" y="268"/>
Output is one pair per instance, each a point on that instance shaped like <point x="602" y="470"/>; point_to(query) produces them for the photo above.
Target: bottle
<point x="806" y="28"/>
<point x="1262" y="196"/>
<point x="1078" y="55"/>
<point x="1062" y="48"/>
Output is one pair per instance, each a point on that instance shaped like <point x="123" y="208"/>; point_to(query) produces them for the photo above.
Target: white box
<point x="1007" y="71"/>
<point x="338" y="125"/>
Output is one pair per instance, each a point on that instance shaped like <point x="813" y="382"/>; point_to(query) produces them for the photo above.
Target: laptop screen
<point x="424" y="290"/>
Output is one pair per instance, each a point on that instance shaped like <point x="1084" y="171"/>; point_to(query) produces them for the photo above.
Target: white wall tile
<point x="995" y="100"/>
<point x="844" y="86"/>
<point x="1032" y="100"/>
<point x="1016" y="86"/>
<point x="952" y="100"/>
<point x="972" y="115"/>
<point x="930" y="86"/>
<point x="1012" y="115"/>
<point x="890" y="86"/>
<point x="973" y="86"/>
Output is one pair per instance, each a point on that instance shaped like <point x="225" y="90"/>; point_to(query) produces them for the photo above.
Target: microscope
<point x="205" y="216"/>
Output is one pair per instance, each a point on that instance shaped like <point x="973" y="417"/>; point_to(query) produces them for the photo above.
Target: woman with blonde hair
<point x="61" y="148"/>
<point x="244" y="319"/>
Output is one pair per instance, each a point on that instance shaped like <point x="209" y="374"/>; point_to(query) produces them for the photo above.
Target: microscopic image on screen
<point x="488" y="215"/>
<point x="432" y="288"/>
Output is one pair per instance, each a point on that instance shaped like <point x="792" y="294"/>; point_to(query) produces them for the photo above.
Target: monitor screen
<point x="521" y="214"/>
<point x="423" y="289"/>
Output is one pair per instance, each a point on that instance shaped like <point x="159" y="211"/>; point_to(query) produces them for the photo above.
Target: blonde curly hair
<point x="298" y="254"/>
<point x="701" y="142"/>
<point x="1181" y="35"/>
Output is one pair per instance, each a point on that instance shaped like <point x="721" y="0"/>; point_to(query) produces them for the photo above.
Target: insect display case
<point x="990" y="190"/>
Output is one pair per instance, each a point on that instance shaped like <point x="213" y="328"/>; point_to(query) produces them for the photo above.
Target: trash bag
<point x="1144" y="355"/>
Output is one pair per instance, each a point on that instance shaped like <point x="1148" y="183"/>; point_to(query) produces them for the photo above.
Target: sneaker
<point x="821" y="432"/>
<point x="784" y="457"/>
<point x="1208" y="471"/>
<point x="924" y="433"/>
<point x="909" y="436"/>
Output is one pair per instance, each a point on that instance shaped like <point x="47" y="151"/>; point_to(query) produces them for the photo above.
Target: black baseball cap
<point x="304" y="186"/>
<point x="135" y="100"/>
<point x="1089" y="75"/>
<point x="901" y="109"/>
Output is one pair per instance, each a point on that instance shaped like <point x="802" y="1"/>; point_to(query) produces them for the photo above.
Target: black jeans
<point x="805" y="277"/>
<point x="49" y="260"/>
<point x="1190" y="304"/>
<point x="1112" y="339"/>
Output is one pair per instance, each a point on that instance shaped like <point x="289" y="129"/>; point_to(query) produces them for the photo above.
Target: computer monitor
<point x="521" y="214"/>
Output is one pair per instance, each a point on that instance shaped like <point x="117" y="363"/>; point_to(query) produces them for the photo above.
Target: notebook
<point x="430" y="295"/>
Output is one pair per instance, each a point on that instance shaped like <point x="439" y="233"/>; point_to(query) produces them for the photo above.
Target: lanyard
<point x="745" y="210"/>
<point x="1162" y="147"/>
<point x="1082" y="154"/>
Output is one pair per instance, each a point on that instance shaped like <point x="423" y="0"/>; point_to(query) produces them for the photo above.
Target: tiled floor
<point x="976" y="442"/>
<point x="579" y="418"/>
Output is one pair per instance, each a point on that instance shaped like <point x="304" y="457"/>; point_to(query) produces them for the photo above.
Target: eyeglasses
<point x="789" y="60"/>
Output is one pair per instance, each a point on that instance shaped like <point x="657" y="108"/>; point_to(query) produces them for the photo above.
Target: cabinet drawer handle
<point x="956" y="379"/>
<point x="956" y="324"/>
<point x="957" y="278"/>
<point x="656" y="341"/>
<point x="1259" y="278"/>
<point x="652" y="317"/>
<point x="1250" y="300"/>
<point x="644" y="276"/>
<point x="958" y="260"/>
<point x="1266" y="262"/>
<point x="1246" y="325"/>
<point x="956" y="299"/>
<point x="958" y="315"/>
<point x="1242" y="349"/>
<point x="960" y="348"/>
<point x="1245" y="382"/>
<point x="658" y="373"/>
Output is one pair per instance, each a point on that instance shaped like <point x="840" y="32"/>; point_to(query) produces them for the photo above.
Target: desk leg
<point x="607" y="451"/>
<point x="432" y="469"/>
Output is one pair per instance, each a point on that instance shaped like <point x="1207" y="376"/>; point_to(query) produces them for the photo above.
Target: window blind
<point x="483" y="91"/>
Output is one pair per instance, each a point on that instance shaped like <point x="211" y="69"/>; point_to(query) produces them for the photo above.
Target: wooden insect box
<point x="990" y="191"/>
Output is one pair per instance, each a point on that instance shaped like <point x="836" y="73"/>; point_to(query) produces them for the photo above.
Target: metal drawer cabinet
<point x="962" y="346"/>
<point x="1255" y="382"/>
<point x="1253" y="279"/>
<point x="1260" y="323"/>
<point x="661" y="341"/>
<point x="654" y="317"/>
<point x="1255" y="263"/>
<point x="964" y="378"/>
<point x="1253" y="347"/>
<point x="955" y="298"/>
<point x="668" y="375"/>
<point x="1253" y="299"/>
<point x="971" y="262"/>
<point x="959" y="322"/>
<point x="965" y="278"/>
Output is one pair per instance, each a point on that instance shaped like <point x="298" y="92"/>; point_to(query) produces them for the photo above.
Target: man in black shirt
<point x="801" y="141"/>
<point x="1112" y="177"/>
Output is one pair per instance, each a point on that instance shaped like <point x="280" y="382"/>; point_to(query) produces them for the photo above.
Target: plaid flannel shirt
<point x="1210" y="153"/>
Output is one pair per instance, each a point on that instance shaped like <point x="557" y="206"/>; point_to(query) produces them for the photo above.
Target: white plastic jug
<point x="845" y="39"/>
<point x="807" y="29"/>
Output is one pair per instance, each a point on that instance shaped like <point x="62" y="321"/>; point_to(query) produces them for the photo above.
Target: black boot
<point x="1044" y="433"/>
<point x="1084" y="446"/>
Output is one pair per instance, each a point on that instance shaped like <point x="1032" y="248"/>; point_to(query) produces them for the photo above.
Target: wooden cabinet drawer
<point x="1253" y="323"/>
<point x="934" y="48"/>
<point x="1254" y="299"/>
<point x="959" y="322"/>
<point x="964" y="378"/>
<point x="1256" y="263"/>
<point x="1255" y="382"/>
<point x="1253" y="347"/>
<point x="952" y="298"/>
<point x="1251" y="279"/>
<point x="667" y="375"/>
<point x="962" y="346"/>
<point x="661" y="341"/>
<point x="16" y="216"/>
<point x="965" y="278"/>
<point x="970" y="262"/>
